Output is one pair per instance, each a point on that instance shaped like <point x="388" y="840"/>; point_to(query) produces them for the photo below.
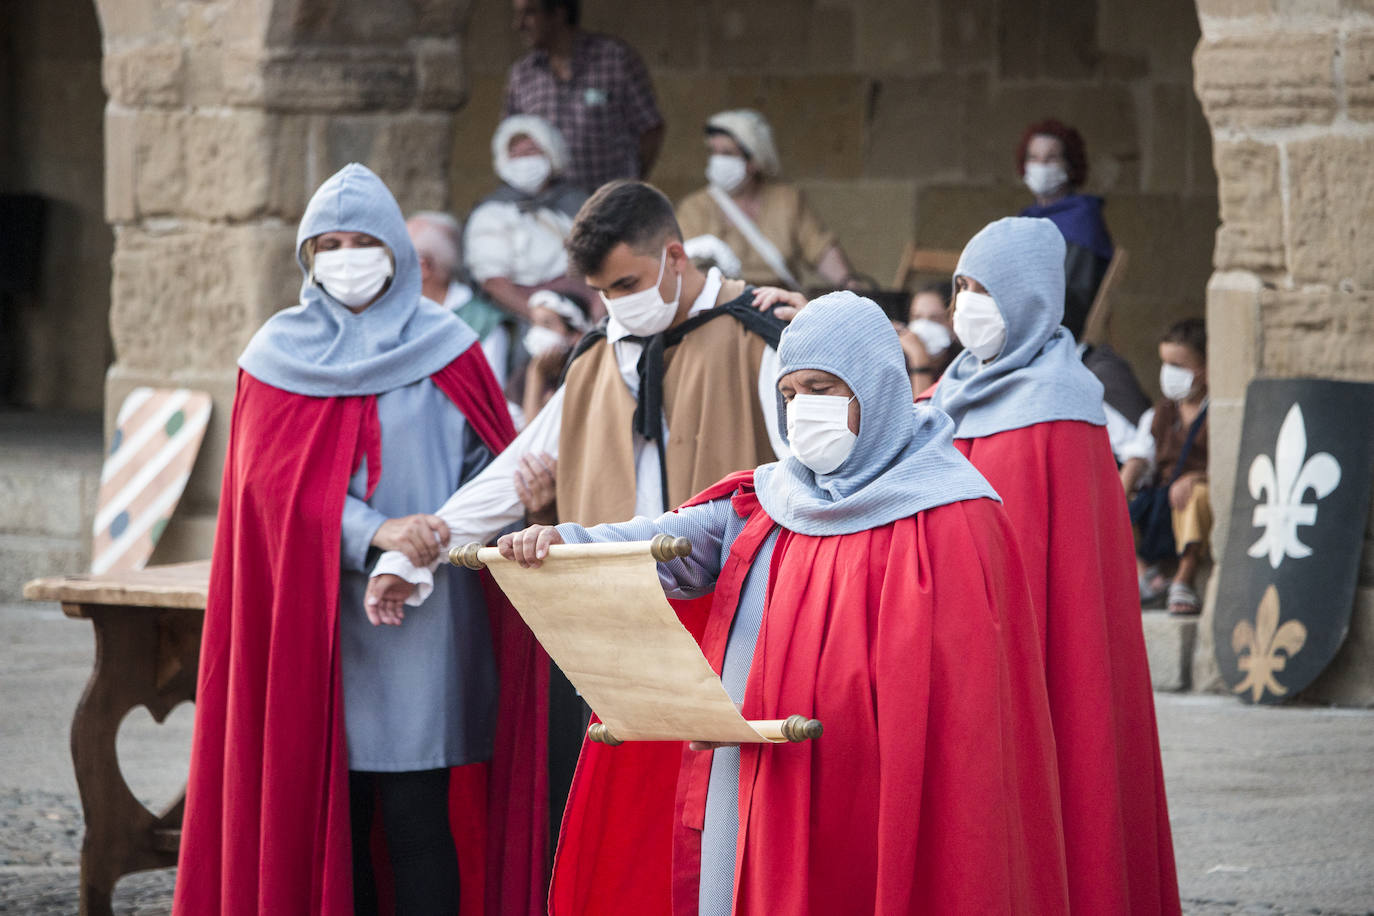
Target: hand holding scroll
<point x="600" y="612"/>
<point x="529" y="547"/>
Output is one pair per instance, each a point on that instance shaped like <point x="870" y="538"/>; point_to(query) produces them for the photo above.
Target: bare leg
<point x="1187" y="564"/>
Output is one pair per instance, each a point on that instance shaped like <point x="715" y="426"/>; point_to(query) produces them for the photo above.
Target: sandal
<point x="1153" y="587"/>
<point x="1183" y="601"/>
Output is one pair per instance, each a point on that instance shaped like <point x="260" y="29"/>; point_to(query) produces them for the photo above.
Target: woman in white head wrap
<point x="513" y="244"/>
<point x="766" y="221"/>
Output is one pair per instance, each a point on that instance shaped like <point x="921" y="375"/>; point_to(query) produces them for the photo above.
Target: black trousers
<point x="419" y="841"/>
<point x="568" y="718"/>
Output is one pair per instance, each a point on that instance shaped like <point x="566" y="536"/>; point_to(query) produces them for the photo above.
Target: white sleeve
<point x="486" y="243"/>
<point x="1120" y="431"/>
<point x="1142" y="443"/>
<point x="768" y="399"/>
<point x="484" y="505"/>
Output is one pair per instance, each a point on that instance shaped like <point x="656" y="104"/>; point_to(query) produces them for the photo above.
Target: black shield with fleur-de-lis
<point x="1291" y="562"/>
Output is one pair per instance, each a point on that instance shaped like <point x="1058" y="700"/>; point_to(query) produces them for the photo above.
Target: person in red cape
<point x="870" y="581"/>
<point x="1029" y="416"/>
<point x="315" y="724"/>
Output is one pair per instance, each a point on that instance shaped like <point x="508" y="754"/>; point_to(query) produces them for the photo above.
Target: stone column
<point x="1288" y="89"/>
<point x="223" y="117"/>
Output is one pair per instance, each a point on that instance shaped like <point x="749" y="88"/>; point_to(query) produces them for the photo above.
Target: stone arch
<point x="223" y="116"/>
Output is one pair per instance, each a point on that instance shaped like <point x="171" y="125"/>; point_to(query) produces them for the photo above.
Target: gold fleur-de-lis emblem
<point x="1286" y="479"/>
<point x="1263" y="649"/>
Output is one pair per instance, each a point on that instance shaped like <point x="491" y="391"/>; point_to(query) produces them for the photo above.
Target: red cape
<point x="266" y="828"/>
<point x="923" y="626"/>
<point x="1060" y="488"/>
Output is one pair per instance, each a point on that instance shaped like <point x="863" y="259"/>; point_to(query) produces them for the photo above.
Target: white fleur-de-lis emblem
<point x="1287" y="479"/>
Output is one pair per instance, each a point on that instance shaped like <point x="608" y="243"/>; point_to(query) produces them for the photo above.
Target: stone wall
<point x="50" y="104"/>
<point x="1288" y="88"/>
<point x="901" y="117"/>
<point x="223" y="116"/>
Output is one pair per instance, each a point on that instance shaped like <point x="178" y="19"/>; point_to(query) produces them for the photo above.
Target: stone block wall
<point x="900" y="119"/>
<point x="1288" y="88"/>
<point x="223" y="117"/>
<point x="50" y="144"/>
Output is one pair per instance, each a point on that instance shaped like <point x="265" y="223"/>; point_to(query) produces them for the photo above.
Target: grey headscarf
<point x="1038" y="377"/>
<point x="904" y="460"/>
<point x="320" y="348"/>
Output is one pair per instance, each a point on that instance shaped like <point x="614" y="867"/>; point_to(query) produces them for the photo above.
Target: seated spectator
<point x="1123" y="400"/>
<point x="764" y="220"/>
<point x="514" y="238"/>
<point x="1053" y="162"/>
<point x="1171" y="510"/>
<point x="437" y="238"/>
<point x="557" y="322"/>
<point x="928" y="336"/>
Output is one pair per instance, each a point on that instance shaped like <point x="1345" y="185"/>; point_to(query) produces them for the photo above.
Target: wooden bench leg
<point x="143" y="657"/>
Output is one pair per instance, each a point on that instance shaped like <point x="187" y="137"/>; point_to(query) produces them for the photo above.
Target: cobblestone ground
<point x="40" y="839"/>
<point x="1271" y="808"/>
<point x="40" y="854"/>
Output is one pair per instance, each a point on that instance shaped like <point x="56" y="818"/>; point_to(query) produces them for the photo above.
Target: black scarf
<point x="648" y="418"/>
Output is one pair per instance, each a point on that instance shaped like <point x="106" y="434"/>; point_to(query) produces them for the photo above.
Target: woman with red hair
<point x="1053" y="162"/>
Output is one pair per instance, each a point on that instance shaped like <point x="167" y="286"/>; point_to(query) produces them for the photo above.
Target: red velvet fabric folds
<point x="1060" y="489"/>
<point x="266" y="827"/>
<point x="933" y="789"/>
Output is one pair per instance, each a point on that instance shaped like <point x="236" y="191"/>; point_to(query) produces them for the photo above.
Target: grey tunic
<point x="422" y="695"/>
<point x="712" y="529"/>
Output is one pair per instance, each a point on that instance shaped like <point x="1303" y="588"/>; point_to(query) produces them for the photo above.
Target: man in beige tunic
<point x="668" y="395"/>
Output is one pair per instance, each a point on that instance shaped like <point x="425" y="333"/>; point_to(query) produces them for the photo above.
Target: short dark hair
<point x="942" y="288"/>
<point x="1191" y="333"/>
<point x="570" y="7"/>
<point x="620" y="211"/>
<point x="1075" y="152"/>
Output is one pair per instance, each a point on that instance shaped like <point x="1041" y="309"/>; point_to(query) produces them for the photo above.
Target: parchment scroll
<point x="600" y="613"/>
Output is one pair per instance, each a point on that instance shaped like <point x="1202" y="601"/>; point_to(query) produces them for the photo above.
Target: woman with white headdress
<point x="764" y="220"/>
<point x="514" y="237"/>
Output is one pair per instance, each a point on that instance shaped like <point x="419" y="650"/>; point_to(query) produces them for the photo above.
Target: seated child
<point x="1171" y="511"/>
<point x="557" y="322"/>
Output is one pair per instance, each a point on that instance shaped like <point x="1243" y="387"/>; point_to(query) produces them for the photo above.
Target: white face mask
<point x="726" y="172"/>
<point x="978" y="324"/>
<point x="818" y="430"/>
<point x="644" y="313"/>
<point x="1044" y="178"/>
<point x="933" y="335"/>
<point x="353" y="276"/>
<point x="540" y="340"/>
<point x="525" y="173"/>
<point x="1175" y="382"/>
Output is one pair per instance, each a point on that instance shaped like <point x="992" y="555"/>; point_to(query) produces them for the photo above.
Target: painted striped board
<point x="157" y="436"/>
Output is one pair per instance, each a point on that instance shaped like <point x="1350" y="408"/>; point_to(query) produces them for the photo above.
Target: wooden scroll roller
<point x="600" y="613"/>
<point x="794" y="728"/>
<point x="663" y="547"/>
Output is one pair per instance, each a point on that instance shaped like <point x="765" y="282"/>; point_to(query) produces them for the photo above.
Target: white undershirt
<point x="488" y="503"/>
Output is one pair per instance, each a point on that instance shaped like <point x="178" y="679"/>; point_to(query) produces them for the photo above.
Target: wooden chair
<point x="1099" y="315"/>
<point x="924" y="261"/>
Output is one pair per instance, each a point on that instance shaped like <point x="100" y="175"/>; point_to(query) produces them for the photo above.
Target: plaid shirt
<point x="601" y="111"/>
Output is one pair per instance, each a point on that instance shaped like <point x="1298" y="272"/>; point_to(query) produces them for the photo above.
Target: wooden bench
<point x="147" y="649"/>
